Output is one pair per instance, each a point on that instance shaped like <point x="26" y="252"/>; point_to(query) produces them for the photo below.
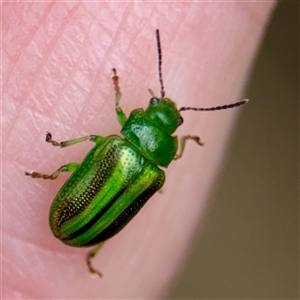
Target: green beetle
<point x="118" y="175"/>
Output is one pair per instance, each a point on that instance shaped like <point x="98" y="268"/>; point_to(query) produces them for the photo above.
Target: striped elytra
<point x="109" y="187"/>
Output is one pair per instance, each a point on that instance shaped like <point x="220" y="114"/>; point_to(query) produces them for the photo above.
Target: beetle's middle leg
<point x="120" y="114"/>
<point x="71" y="167"/>
<point x="182" y="143"/>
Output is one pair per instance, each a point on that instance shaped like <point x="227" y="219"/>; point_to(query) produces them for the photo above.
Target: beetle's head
<point x="164" y="113"/>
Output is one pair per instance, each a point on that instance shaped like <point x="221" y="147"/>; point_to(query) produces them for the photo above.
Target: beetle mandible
<point x="118" y="175"/>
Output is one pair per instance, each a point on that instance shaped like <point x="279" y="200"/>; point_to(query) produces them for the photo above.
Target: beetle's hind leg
<point x="71" y="167"/>
<point x="120" y="114"/>
<point x="182" y="143"/>
<point x="91" y="254"/>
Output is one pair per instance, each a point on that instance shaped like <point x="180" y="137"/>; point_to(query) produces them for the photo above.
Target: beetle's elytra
<point x="118" y="176"/>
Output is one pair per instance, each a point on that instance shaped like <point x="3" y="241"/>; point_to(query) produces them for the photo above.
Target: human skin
<point x="57" y="61"/>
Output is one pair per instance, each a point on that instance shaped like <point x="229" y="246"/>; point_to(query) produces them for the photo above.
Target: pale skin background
<point x="57" y="62"/>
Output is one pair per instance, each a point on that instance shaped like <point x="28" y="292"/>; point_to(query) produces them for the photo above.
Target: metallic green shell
<point x="106" y="191"/>
<point x="154" y="142"/>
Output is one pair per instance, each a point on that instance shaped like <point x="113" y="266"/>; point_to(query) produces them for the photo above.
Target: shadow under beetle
<point x="118" y="175"/>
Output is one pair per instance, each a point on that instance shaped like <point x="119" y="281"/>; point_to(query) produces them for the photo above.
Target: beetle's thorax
<point x="150" y="130"/>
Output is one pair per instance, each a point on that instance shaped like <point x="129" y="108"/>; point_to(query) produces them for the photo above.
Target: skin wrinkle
<point x="168" y="221"/>
<point x="83" y="54"/>
<point x="48" y="51"/>
<point x="26" y="42"/>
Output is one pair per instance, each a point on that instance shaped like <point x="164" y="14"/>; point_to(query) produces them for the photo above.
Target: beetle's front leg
<point x="182" y="143"/>
<point x="115" y="79"/>
<point x="91" y="254"/>
<point x="120" y="114"/>
<point x="71" y="167"/>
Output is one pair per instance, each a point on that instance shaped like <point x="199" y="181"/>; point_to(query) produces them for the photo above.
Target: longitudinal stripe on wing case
<point x="137" y="192"/>
<point x="129" y="164"/>
<point x="76" y="195"/>
<point x="130" y="212"/>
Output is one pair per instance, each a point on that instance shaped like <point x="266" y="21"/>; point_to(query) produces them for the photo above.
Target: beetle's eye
<point x="180" y="121"/>
<point x="154" y="101"/>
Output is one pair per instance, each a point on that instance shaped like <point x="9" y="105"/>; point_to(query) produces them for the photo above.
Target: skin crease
<point x="57" y="61"/>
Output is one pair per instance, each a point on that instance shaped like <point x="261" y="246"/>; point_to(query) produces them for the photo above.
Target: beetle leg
<point x="115" y="79"/>
<point x="120" y="114"/>
<point x="182" y="143"/>
<point x="91" y="254"/>
<point x="71" y="167"/>
<point x="93" y="138"/>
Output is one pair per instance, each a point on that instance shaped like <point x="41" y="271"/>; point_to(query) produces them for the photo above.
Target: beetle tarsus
<point x="91" y="254"/>
<point x="90" y="267"/>
<point x="49" y="140"/>
<point x="34" y="174"/>
<point x="182" y="144"/>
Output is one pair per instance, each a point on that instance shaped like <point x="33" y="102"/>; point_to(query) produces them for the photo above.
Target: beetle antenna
<point x="162" y="92"/>
<point x="227" y="106"/>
